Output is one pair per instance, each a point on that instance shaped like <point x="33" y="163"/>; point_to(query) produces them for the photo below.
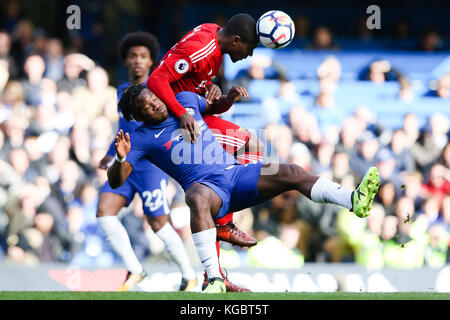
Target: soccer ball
<point x="275" y="29"/>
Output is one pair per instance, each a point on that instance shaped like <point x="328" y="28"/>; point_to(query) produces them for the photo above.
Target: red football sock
<point x="218" y="255"/>
<point x="225" y="219"/>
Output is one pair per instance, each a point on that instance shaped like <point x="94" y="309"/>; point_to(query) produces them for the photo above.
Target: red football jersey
<point x="188" y="66"/>
<point x="192" y="62"/>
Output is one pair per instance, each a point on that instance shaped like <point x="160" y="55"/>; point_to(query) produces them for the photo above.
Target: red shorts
<point x="231" y="136"/>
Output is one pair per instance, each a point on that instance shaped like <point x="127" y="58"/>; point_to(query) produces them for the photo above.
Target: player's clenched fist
<point x="123" y="144"/>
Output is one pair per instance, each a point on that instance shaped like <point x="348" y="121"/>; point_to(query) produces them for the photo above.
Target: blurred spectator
<point x="445" y="158"/>
<point x="352" y="129"/>
<point x="369" y="253"/>
<point x="329" y="69"/>
<point x="90" y="101"/>
<point x="380" y="71"/>
<point x="436" y="251"/>
<point x="438" y="182"/>
<point x="322" y="40"/>
<point x="326" y="110"/>
<point x="54" y="59"/>
<point x="406" y="249"/>
<point x="5" y="49"/>
<point x="304" y="126"/>
<point x="261" y="67"/>
<point x="430" y="41"/>
<point x="413" y="188"/>
<point x="431" y="142"/>
<point x="340" y="164"/>
<point x="4" y="75"/>
<point x="386" y="197"/>
<point x="22" y="44"/>
<point x="386" y="163"/>
<point x="34" y="68"/>
<point x="441" y="87"/>
<point x="323" y="159"/>
<point x="429" y="210"/>
<point x="14" y="129"/>
<point x="411" y="128"/>
<point x="402" y="29"/>
<point x="13" y="101"/>
<point x="406" y="92"/>
<point x="404" y="160"/>
<point x="20" y="162"/>
<point x="74" y="65"/>
<point x="364" y="156"/>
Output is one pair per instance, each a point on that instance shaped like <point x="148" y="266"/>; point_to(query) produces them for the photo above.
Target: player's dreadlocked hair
<point x="139" y="38"/>
<point x="244" y="26"/>
<point x="127" y="103"/>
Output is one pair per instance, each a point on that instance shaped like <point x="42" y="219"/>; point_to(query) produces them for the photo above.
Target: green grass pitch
<point x="135" y="295"/>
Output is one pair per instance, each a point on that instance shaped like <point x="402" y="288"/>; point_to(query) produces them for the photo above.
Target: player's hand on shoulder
<point x="123" y="144"/>
<point x="213" y="93"/>
<point x="236" y="92"/>
<point x="104" y="162"/>
<point x="189" y="127"/>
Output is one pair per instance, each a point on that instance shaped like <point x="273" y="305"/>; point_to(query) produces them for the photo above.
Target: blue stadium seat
<point x="261" y="89"/>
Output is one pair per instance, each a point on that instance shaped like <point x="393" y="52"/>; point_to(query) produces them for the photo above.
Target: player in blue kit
<point x="139" y="51"/>
<point x="214" y="182"/>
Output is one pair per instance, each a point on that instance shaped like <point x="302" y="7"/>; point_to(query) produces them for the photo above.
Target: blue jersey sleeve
<point x="138" y="147"/>
<point x="191" y="100"/>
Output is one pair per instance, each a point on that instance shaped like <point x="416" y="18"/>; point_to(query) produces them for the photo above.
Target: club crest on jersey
<point x="168" y="144"/>
<point x="190" y="111"/>
<point x="181" y="66"/>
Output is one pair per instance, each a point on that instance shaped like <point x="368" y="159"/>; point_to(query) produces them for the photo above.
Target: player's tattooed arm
<point x="119" y="171"/>
<point x="224" y="102"/>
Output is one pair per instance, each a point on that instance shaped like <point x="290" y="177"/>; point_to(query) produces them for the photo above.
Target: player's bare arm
<point x="120" y="169"/>
<point x="103" y="164"/>
<point x="224" y="102"/>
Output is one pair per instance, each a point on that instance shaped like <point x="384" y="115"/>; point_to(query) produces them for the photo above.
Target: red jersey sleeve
<point x="165" y="74"/>
<point x="178" y="66"/>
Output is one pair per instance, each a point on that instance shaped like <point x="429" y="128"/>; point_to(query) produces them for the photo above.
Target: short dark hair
<point x="138" y="38"/>
<point x="127" y="102"/>
<point x="244" y="26"/>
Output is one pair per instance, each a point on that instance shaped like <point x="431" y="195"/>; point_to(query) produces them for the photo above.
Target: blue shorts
<point x="240" y="189"/>
<point x="150" y="184"/>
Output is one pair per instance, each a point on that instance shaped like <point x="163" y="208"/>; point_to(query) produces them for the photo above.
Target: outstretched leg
<point x="319" y="189"/>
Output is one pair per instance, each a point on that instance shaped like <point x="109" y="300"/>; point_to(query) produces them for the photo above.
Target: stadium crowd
<point x="58" y="115"/>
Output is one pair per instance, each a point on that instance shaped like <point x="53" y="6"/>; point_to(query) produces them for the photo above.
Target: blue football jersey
<point x="186" y="162"/>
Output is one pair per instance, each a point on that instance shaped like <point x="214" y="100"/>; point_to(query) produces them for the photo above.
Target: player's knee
<point x="296" y="172"/>
<point x="157" y="222"/>
<point x="197" y="198"/>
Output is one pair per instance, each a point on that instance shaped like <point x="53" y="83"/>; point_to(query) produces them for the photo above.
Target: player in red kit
<point x="191" y="65"/>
